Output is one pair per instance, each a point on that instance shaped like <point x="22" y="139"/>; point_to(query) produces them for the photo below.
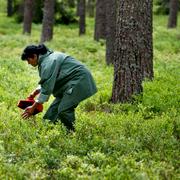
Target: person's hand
<point x="28" y="112"/>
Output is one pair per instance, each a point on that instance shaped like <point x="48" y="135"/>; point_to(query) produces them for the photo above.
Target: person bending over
<point x="68" y="80"/>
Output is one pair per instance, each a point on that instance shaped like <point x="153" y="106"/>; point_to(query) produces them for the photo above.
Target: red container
<point x="23" y="104"/>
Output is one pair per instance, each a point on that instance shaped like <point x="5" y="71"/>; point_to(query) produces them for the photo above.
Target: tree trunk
<point x="28" y="15"/>
<point x="129" y="40"/>
<point x="147" y="47"/>
<point x="172" y="22"/>
<point x="78" y="6"/>
<point x="48" y="20"/>
<point x="82" y="17"/>
<point x="9" y="8"/>
<point x="100" y="20"/>
<point x="90" y="8"/>
<point x="110" y="30"/>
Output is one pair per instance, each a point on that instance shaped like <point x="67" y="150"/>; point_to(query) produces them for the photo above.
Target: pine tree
<point x="48" y="20"/>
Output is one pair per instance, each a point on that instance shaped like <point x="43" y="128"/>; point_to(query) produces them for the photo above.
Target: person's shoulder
<point x="60" y="55"/>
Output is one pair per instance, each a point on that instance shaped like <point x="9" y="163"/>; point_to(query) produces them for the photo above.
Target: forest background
<point x="137" y="140"/>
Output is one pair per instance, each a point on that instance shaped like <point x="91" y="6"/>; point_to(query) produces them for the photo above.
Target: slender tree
<point x="172" y="21"/>
<point x="82" y="17"/>
<point x="48" y="20"/>
<point x="110" y="30"/>
<point x="129" y="42"/>
<point x="28" y="16"/>
<point x="100" y="20"/>
<point x="9" y="8"/>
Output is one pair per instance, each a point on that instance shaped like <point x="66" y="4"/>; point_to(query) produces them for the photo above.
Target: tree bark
<point x="48" y="20"/>
<point x="147" y="43"/>
<point x="172" y="21"/>
<point x="9" y="8"/>
<point x="82" y="17"/>
<point x="28" y="15"/>
<point x="129" y="39"/>
<point x="100" y="20"/>
<point x="110" y="30"/>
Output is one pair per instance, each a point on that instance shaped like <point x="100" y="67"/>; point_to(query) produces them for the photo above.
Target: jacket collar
<point x="41" y="57"/>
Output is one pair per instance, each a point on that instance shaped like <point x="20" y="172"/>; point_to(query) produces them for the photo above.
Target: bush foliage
<point x="162" y="7"/>
<point x="64" y="12"/>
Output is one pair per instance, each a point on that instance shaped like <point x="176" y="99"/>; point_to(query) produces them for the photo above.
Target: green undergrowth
<point x="112" y="141"/>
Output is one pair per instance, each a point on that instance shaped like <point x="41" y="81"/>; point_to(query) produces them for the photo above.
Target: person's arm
<point x="48" y="79"/>
<point x="35" y="92"/>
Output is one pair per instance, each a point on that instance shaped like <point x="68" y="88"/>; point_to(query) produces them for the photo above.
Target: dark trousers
<point x="67" y="116"/>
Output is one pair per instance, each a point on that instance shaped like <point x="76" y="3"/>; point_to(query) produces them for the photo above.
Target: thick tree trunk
<point x="28" y="15"/>
<point x="9" y="8"/>
<point x="172" y="22"/>
<point x="110" y="30"/>
<point x="129" y="40"/>
<point x="100" y="20"/>
<point x="48" y="20"/>
<point x="82" y="17"/>
<point x="147" y="47"/>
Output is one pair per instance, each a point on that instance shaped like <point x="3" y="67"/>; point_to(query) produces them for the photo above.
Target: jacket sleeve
<point x="48" y="77"/>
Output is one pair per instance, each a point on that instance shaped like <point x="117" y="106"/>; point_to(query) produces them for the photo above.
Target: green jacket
<point x="65" y="78"/>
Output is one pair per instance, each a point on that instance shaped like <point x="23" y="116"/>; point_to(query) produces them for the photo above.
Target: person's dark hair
<point x="30" y="50"/>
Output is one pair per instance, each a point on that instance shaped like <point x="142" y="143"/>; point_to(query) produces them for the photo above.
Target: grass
<point x="121" y="141"/>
